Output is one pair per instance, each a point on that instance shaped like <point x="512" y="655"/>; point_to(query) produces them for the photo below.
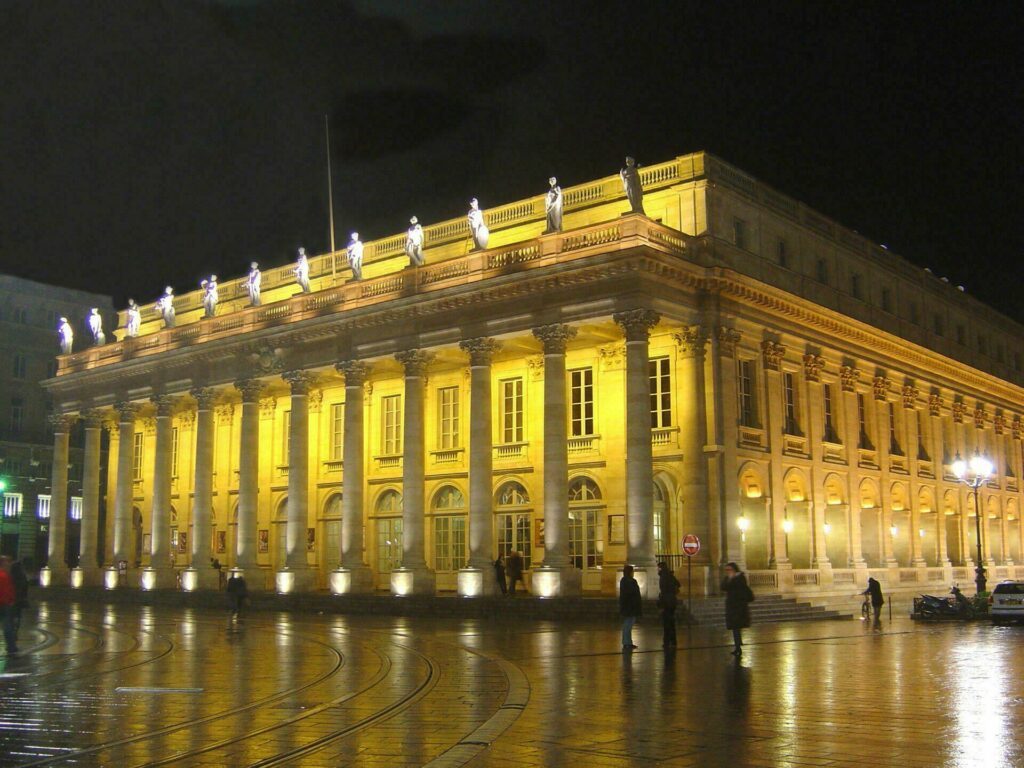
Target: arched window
<point x="389" y="503"/>
<point x="389" y="531"/>
<point x="449" y="529"/>
<point x="586" y="543"/>
<point x="660" y="509"/>
<point x="583" y="489"/>
<point x="513" y="523"/>
<point x="512" y="494"/>
<point x="333" y="506"/>
<point x="449" y="497"/>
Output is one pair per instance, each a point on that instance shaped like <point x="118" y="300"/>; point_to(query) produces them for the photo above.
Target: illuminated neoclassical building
<point x="732" y="365"/>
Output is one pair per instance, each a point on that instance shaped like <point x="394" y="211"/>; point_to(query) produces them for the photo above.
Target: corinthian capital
<point x="354" y="371"/>
<point x="415" y="361"/>
<point x="300" y="381"/>
<point x="480" y="350"/>
<point x="164" y="404"/>
<point x="204" y="397"/>
<point x="92" y="417"/>
<point x="126" y="411"/>
<point x="637" y="323"/>
<point x="554" y="337"/>
<point x="62" y="422"/>
<point x="250" y="389"/>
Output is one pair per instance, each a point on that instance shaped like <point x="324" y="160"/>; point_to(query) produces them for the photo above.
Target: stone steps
<point x="765" y="609"/>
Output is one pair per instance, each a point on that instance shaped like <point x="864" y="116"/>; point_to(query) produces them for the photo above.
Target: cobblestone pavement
<point x="137" y="685"/>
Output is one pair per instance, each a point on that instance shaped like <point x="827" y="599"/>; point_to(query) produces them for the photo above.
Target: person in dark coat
<point x="499" y="574"/>
<point x="7" y="605"/>
<point x="20" y="580"/>
<point x="877" y="601"/>
<point x="738" y="597"/>
<point x="236" y="590"/>
<point x="630" y="606"/>
<point x="668" y="590"/>
<point x="515" y="572"/>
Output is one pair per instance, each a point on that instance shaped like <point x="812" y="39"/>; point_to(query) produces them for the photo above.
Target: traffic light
<point x="3" y="484"/>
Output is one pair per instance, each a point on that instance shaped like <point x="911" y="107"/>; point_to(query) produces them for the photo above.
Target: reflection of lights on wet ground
<point x="981" y="707"/>
<point x="110" y="615"/>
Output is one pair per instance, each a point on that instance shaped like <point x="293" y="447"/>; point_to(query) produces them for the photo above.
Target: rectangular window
<point x="392" y="427"/>
<point x="17" y="414"/>
<point x="748" y="412"/>
<point x="286" y="428"/>
<point x="894" y="441"/>
<point x="174" y="452"/>
<point x="862" y="417"/>
<point x="586" y="546"/>
<point x="514" y="536"/>
<point x="937" y="325"/>
<point x="831" y="436"/>
<point x="448" y="418"/>
<point x="922" y="437"/>
<point x="449" y="542"/>
<point x="137" y="456"/>
<point x="739" y="234"/>
<point x="886" y="300"/>
<point x="914" y="317"/>
<point x="1008" y="455"/>
<point x="661" y="393"/>
<point x="512" y="411"/>
<point x="76" y="507"/>
<point x="12" y="504"/>
<point x="782" y="254"/>
<point x="20" y="315"/>
<point x="581" y="399"/>
<point x="982" y="345"/>
<point x="337" y="425"/>
<point x="792" y="425"/>
<point x="856" y="287"/>
<point x="43" y="507"/>
<point x="14" y="467"/>
<point x="822" y="271"/>
<point x="961" y="335"/>
<point x="18" y="366"/>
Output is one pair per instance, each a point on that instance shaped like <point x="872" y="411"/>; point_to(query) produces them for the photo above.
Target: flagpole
<point x="330" y="194"/>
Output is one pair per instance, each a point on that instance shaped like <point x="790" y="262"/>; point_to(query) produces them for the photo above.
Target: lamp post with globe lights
<point x="974" y="474"/>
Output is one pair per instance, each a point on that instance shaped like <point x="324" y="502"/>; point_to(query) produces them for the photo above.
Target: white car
<point x="1007" y="602"/>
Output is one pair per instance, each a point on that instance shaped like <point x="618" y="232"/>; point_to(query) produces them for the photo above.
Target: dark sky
<point x="147" y="143"/>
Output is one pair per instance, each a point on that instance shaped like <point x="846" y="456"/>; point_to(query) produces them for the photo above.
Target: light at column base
<point x="77" y="578"/>
<point x="110" y="578"/>
<point x="148" y="579"/>
<point x="471" y="582"/>
<point x="189" y="580"/>
<point x="45" y="577"/>
<point x="402" y="582"/>
<point x="285" y="582"/>
<point x="547" y="582"/>
<point x="341" y="582"/>
<point x="640" y="574"/>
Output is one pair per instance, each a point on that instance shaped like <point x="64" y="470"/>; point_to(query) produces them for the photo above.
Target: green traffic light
<point x="3" y="485"/>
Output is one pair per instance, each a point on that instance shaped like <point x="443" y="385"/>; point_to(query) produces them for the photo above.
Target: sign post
<point x="691" y="546"/>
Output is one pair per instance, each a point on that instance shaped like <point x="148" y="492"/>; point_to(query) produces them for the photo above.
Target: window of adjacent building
<point x="392" y="427"/>
<point x="12" y="504"/>
<point x="982" y="345"/>
<point x="448" y="417"/>
<point x="337" y="425"/>
<point x="961" y="334"/>
<point x="914" y="317"/>
<point x="856" y="286"/>
<point x="17" y="414"/>
<point x="45" y="471"/>
<point x="831" y="436"/>
<point x="51" y="318"/>
<point x="586" y="545"/>
<point x="782" y="254"/>
<point x="174" y="451"/>
<point x="1008" y="455"/>
<point x="886" y="300"/>
<point x="661" y="393"/>
<point x="894" y="435"/>
<point x="937" y="325"/>
<point x="789" y="396"/>
<point x="740" y="235"/>
<point x="999" y="353"/>
<point x="19" y="365"/>
<point x="947" y="442"/>
<point x="14" y="467"/>
<point x="20" y="315"/>
<point x="512" y="411"/>
<point x="822" y="271"/>
<point x="43" y="507"/>
<point x="137" y="456"/>
<point x="922" y="437"/>
<point x="513" y="522"/>
<point x="747" y="393"/>
<point x="862" y="417"/>
<point x="581" y="402"/>
<point x="76" y="508"/>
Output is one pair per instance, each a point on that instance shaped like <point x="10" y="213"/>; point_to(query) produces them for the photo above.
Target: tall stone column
<point x="353" y="575"/>
<point x="414" y="577"/>
<point x="88" y="571"/>
<point x="248" y="480"/>
<point x="297" y="576"/>
<point x="56" y="571"/>
<point x="637" y="324"/>
<point x="200" y="575"/>
<point x="849" y="434"/>
<point x="772" y="354"/>
<point x="160" y="573"/>
<point x="556" y="576"/>
<point x="123" y="489"/>
<point x="479" y="578"/>
<point x="692" y="342"/>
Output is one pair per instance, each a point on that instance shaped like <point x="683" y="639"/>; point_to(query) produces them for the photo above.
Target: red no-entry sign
<point x="691" y="544"/>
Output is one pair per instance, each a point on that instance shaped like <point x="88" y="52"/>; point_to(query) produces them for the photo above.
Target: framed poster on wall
<point x="310" y="539"/>
<point x="264" y="540"/>
<point x="222" y="542"/>
<point x="182" y="542"/>
<point x="538" y="532"/>
<point x="616" y="529"/>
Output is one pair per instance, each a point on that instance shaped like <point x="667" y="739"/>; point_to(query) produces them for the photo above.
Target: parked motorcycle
<point x="934" y="607"/>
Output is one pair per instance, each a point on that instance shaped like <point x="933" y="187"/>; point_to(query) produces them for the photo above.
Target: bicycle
<point x="865" y="608"/>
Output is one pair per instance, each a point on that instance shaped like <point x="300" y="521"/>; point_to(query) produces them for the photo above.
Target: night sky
<point x="151" y="143"/>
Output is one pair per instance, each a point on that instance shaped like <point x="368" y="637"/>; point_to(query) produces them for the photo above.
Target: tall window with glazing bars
<point x="747" y="393"/>
<point x="581" y="382"/>
<point x="511" y="411"/>
<point x="448" y="418"/>
<point x="661" y="393"/>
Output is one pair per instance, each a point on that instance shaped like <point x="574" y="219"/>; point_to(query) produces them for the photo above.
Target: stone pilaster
<point x="248" y="480"/>
<point x="692" y="343"/>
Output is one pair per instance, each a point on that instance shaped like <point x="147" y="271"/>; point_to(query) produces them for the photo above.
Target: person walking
<point x="515" y="573"/>
<point x="631" y="606"/>
<point x="738" y="597"/>
<point x="499" y="574"/>
<point x="20" y="580"/>
<point x="877" y="601"/>
<point x="236" y="590"/>
<point x="668" y="591"/>
<point x="7" y="599"/>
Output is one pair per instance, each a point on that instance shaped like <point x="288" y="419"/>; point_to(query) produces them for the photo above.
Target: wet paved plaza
<point x="139" y="685"/>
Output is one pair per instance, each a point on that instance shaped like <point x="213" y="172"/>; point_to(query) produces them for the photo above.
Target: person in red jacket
<point x="7" y="600"/>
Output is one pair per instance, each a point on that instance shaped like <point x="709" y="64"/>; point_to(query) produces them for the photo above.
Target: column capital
<point x="980" y="416"/>
<point x="880" y="385"/>
<point x="415" y="361"/>
<point x="812" y="366"/>
<point x="637" y="323"/>
<point x="1015" y="428"/>
<point x="204" y="397"/>
<point x="62" y="422"/>
<point x="92" y="418"/>
<point x="848" y="378"/>
<point x="728" y="339"/>
<point x="164" y="404"/>
<point x="554" y="337"/>
<point x="250" y="389"/>
<point x="126" y="411"/>
<point x="691" y="340"/>
<point x="225" y="413"/>
<point x="480" y="350"/>
<point x="935" y="404"/>
<point x="909" y="396"/>
<point x="959" y="409"/>
<point x="354" y="371"/>
<point x="300" y="381"/>
<point x="772" y="352"/>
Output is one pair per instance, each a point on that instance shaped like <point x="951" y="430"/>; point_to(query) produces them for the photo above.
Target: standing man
<point x="668" y="590"/>
<point x="877" y="601"/>
<point x="236" y="590"/>
<point x="7" y="601"/>
<point x="515" y="573"/>
<point x="631" y="606"/>
<point x="738" y="597"/>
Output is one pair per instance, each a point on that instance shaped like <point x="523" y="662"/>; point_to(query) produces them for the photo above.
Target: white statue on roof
<point x="477" y="226"/>
<point x="67" y="336"/>
<point x="354" y="252"/>
<point x="133" y="319"/>
<point x="95" y="321"/>
<point x="414" y="243"/>
<point x="553" y="206"/>
<point x="302" y="271"/>
<point x="632" y="186"/>
<point x="210" y="295"/>
<point x="165" y="306"/>
<point x="253" y="283"/>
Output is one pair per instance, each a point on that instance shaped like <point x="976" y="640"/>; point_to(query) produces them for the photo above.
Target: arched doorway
<point x="280" y="553"/>
<point x="388" y="535"/>
<point x="513" y="521"/>
<point x="331" y="538"/>
<point x="448" y="535"/>
<point x="586" y="542"/>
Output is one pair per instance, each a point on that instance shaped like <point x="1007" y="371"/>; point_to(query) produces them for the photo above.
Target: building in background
<point x="730" y="364"/>
<point x="29" y="314"/>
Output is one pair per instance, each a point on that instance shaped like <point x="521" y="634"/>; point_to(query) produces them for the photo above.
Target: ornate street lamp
<point x="974" y="474"/>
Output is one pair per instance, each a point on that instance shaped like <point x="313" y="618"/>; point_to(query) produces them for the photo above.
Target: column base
<point x="158" y="578"/>
<point x="53" y="576"/>
<point x="413" y="581"/>
<point x="86" y="577"/>
<point x="193" y="579"/>
<point x="351" y="581"/>
<point x="478" y="582"/>
<point x="647" y="578"/>
<point x="255" y="581"/>
<point x="291" y="580"/>
<point x="112" y="578"/>
<point x="556" y="581"/>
